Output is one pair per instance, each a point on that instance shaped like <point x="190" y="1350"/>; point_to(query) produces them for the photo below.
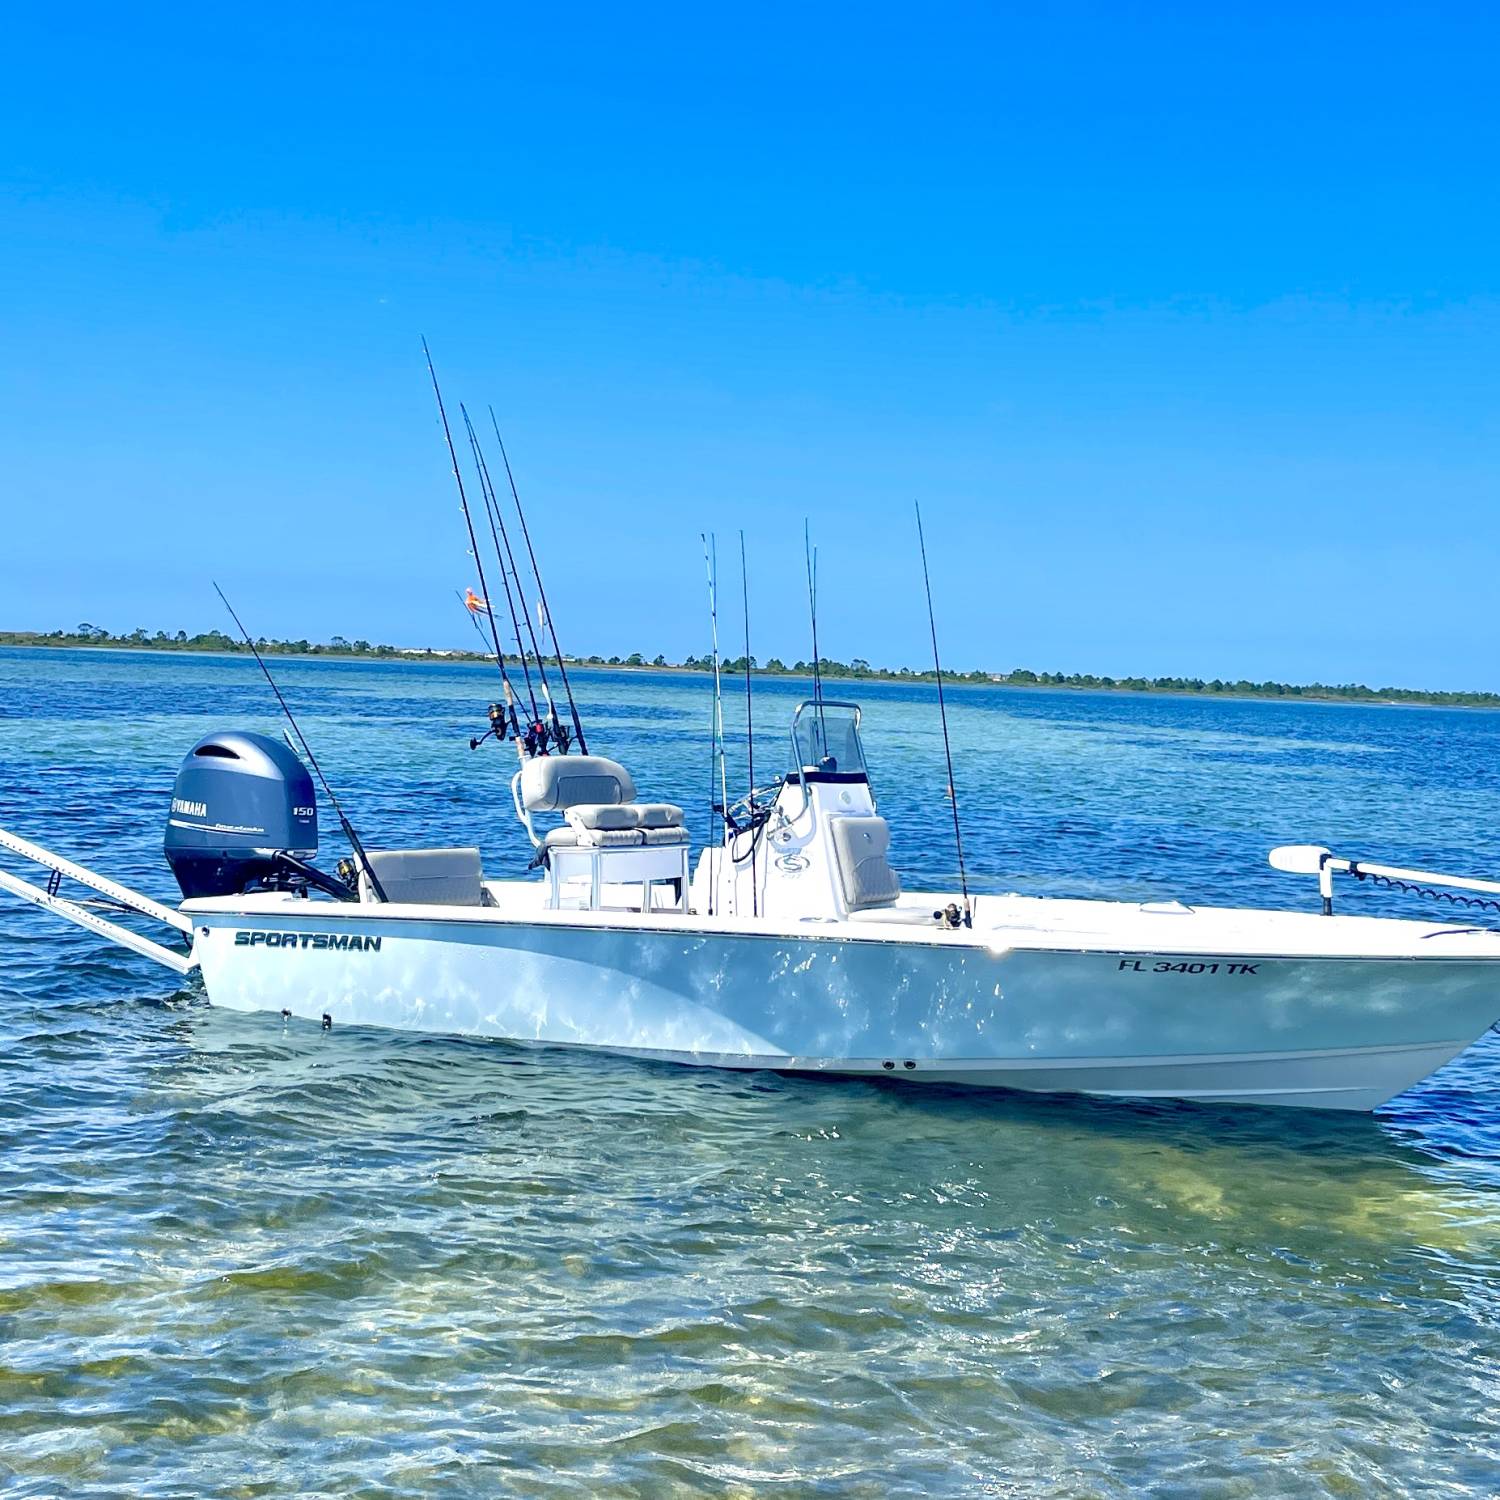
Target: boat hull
<point x="1325" y="1032"/>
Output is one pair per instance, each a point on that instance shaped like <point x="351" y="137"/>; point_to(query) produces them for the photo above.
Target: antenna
<point x="749" y="734"/>
<point x="937" y="666"/>
<point x="541" y="592"/>
<point x="312" y="760"/>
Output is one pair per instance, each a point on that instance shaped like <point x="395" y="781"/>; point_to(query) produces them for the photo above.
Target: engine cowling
<point x="240" y="800"/>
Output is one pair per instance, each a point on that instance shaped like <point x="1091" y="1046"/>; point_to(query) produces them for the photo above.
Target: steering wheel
<point x="753" y="808"/>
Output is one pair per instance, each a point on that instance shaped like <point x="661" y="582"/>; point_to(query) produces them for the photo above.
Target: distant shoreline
<point x="834" y="672"/>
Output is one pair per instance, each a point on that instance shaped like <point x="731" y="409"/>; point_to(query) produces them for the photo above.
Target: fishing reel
<point x="541" y="736"/>
<point x="496" y="714"/>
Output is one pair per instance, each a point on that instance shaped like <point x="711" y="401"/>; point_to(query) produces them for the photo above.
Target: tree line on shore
<point x="857" y="669"/>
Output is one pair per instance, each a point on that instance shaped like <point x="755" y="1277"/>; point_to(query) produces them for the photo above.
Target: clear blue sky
<point x="1182" y="324"/>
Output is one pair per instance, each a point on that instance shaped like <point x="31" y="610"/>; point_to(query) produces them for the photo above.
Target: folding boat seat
<point x="661" y="823"/>
<point x="625" y="825"/>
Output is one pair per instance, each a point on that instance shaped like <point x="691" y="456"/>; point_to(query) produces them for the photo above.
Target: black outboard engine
<point x="243" y="814"/>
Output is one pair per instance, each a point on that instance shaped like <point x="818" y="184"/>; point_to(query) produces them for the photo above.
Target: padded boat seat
<point x="612" y="838"/>
<point x="612" y="825"/>
<point x="659" y="814"/>
<point x="591" y="817"/>
<point x="608" y="838"/>
<point x="555" y="783"/>
<point x="859" y="849"/>
<point x="425" y="877"/>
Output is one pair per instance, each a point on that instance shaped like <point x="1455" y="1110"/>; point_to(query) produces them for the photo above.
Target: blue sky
<point x="1183" y="326"/>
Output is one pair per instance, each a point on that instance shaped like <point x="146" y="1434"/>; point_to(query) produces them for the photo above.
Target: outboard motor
<point x="243" y="814"/>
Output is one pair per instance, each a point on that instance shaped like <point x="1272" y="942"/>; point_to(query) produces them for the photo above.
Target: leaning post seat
<point x="606" y="836"/>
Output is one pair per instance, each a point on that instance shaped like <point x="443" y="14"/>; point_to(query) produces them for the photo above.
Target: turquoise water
<point x="244" y="1258"/>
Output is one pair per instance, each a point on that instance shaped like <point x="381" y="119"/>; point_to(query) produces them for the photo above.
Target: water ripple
<point x="245" y="1257"/>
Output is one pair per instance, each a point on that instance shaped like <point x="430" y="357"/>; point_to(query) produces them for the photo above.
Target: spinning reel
<point x="537" y="737"/>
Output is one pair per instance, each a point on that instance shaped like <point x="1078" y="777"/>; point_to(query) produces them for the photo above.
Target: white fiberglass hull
<point x="1091" y="997"/>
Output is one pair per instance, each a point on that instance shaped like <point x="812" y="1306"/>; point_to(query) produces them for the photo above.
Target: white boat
<point x="792" y="945"/>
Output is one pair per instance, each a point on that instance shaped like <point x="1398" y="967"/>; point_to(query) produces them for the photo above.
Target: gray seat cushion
<point x="859" y="847"/>
<point x="593" y="815"/>
<point x="656" y="837"/>
<point x="554" y="783"/>
<point x="659" y="814"/>
<point x="593" y="838"/>
<point x="426" y="877"/>
<point x="613" y="838"/>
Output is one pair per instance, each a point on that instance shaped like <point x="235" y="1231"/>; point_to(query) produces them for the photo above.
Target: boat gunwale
<point x="995" y="942"/>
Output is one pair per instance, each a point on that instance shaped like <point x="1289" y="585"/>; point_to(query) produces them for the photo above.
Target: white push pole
<point x="62" y="907"/>
<point x="115" y="891"/>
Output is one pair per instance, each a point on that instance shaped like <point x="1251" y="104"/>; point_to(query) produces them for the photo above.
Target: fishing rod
<point x="558" y="730"/>
<point x="749" y="734"/>
<point x="312" y="760"/>
<point x="496" y="713"/>
<point x="541" y="592"/>
<point x="473" y="620"/>
<point x="937" y="667"/>
<point x="716" y="761"/>
<point x="485" y="490"/>
<point x="810" y="553"/>
<point x="478" y="563"/>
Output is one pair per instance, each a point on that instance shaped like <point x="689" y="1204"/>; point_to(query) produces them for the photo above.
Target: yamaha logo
<point x="189" y="809"/>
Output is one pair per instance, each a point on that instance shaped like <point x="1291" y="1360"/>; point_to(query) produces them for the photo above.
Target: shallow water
<point x="239" y="1257"/>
